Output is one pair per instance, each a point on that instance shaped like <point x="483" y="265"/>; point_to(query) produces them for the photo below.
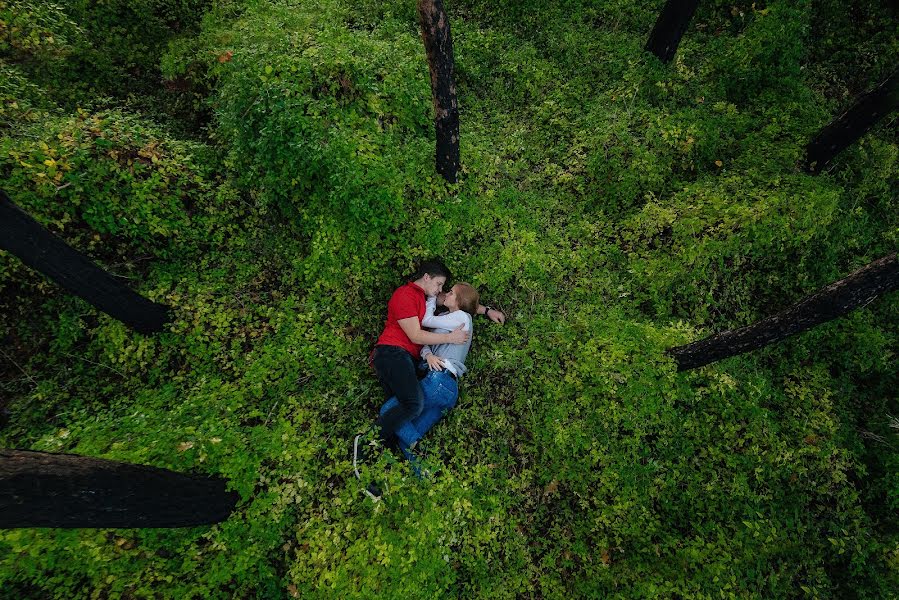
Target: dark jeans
<point x="396" y="372"/>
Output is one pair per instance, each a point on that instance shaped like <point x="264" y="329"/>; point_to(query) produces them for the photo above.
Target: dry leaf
<point x="223" y="58"/>
<point x="551" y="487"/>
<point x="185" y="446"/>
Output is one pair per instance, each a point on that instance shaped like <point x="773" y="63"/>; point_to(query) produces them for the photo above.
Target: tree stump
<point x="435" y="32"/>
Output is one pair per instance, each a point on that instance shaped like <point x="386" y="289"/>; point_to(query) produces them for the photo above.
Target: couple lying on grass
<point x="416" y="340"/>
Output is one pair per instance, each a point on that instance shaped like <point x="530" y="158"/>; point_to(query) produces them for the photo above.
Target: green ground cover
<point x="265" y="167"/>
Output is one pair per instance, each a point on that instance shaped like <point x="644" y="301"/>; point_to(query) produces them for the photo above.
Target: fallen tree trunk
<point x="40" y="489"/>
<point x="435" y="32"/>
<point x="855" y="291"/>
<point x="853" y="124"/>
<point x="38" y="248"/>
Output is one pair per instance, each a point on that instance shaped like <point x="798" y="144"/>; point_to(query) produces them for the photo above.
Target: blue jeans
<point x="440" y="392"/>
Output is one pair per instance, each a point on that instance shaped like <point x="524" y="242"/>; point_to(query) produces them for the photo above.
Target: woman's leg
<point x="441" y="392"/>
<point x="396" y="371"/>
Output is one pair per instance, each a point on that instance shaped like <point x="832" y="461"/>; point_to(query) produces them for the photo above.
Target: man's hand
<point x="458" y="336"/>
<point x="497" y="316"/>
<point x="435" y="363"/>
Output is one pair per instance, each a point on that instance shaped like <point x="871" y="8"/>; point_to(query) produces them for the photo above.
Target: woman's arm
<point x="497" y="316"/>
<point x="448" y="321"/>
<point x="430" y="307"/>
<point x="435" y="363"/>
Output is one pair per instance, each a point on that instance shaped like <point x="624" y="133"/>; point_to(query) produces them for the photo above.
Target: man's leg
<point x="406" y="434"/>
<point x="396" y="371"/>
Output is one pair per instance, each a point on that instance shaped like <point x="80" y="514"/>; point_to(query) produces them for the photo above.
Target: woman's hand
<point x="435" y="363"/>
<point x="497" y="316"/>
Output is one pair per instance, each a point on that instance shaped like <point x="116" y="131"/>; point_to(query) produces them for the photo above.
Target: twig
<point x="634" y="97"/>
<point x="870" y="435"/>
<point x="269" y="416"/>
<point x="24" y="372"/>
<point x="252" y="104"/>
<point x="894" y="422"/>
<point x="131" y="261"/>
<point x="95" y="363"/>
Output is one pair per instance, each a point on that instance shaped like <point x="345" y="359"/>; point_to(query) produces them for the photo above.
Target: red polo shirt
<point x="407" y="301"/>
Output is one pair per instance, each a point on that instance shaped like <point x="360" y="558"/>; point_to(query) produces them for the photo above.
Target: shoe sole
<point x="356" y="468"/>
<point x="356" y="456"/>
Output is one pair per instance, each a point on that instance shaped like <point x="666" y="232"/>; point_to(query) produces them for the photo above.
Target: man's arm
<point x="497" y="316"/>
<point x="412" y="328"/>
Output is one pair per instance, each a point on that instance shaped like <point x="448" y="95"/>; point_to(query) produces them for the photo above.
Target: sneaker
<point x="363" y="446"/>
<point x="361" y="451"/>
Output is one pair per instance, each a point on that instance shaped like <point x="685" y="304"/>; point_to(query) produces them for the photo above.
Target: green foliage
<point x="22" y="103"/>
<point x="115" y="187"/>
<point x="768" y="51"/>
<point x="342" y="109"/>
<point x="37" y="30"/>
<point x="612" y="206"/>
<point x="102" y="55"/>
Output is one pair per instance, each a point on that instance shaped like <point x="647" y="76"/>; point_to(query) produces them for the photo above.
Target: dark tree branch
<point x="853" y="124"/>
<point x="39" y="489"/>
<point x="855" y="291"/>
<point x="435" y="32"/>
<point x="38" y="248"/>
<point x="670" y="28"/>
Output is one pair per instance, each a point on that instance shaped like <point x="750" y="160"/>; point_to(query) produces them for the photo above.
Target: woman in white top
<point x="446" y="363"/>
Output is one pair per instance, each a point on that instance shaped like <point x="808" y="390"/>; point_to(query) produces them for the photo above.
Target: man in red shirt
<point x="399" y="345"/>
<point x="397" y="350"/>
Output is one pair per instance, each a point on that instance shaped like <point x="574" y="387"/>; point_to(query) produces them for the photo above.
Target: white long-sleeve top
<point x="453" y="355"/>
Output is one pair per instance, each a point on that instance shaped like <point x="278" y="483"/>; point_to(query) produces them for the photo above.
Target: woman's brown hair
<point x="468" y="298"/>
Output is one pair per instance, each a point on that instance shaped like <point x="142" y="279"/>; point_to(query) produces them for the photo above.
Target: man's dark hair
<point x="433" y="267"/>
